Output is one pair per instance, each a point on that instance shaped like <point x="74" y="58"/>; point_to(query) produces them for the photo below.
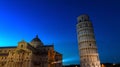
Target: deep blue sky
<point x="55" y="22"/>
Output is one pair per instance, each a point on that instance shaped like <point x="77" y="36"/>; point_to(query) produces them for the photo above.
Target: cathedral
<point x="33" y="54"/>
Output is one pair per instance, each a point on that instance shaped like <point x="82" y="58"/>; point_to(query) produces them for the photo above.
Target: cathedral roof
<point x="58" y="53"/>
<point x="8" y="47"/>
<point x="36" y="42"/>
<point x="36" y="39"/>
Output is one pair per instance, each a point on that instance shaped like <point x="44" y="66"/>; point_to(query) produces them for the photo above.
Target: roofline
<point x="58" y="53"/>
<point x="8" y="47"/>
<point x="48" y="46"/>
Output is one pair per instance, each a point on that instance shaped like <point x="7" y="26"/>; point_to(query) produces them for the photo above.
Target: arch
<point x="22" y="46"/>
<point x="89" y="44"/>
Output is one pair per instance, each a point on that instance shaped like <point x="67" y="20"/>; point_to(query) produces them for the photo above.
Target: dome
<point x="36" y="39"/>
<point x="36" y="42"/>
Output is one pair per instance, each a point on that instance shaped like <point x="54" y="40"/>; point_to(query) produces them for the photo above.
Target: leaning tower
<point x="87" y="43"/>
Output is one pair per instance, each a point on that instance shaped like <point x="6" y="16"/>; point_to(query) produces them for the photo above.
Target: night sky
<point x="55" y="23"/>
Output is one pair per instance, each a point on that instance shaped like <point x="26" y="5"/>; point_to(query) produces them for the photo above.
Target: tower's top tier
<point x="82" y="18"/>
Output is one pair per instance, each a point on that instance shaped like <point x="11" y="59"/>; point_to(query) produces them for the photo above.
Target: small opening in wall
<point x="85" y="19"/>
<point x="21" y="46"/>
<point x="89" y="44"/>
<point x="82" y="18"/>
<point x="80" y="21"/>
<point x="0" y="50"/>
<point x="86" y="25"/>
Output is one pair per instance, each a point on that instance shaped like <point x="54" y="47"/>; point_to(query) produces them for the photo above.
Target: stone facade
<point x="87" y="43"/>
<point x="33" y="54"/>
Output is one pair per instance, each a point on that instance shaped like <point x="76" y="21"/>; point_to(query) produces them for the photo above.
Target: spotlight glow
<point x="56" y="62"/>
<point x="69" y="59"/>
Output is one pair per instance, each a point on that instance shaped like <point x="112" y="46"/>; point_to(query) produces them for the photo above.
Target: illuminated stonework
<point x="87" y="43"/>
<point x="33" y="54"/>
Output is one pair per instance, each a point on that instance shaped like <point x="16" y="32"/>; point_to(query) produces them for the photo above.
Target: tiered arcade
<point x="87" y="43"/>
